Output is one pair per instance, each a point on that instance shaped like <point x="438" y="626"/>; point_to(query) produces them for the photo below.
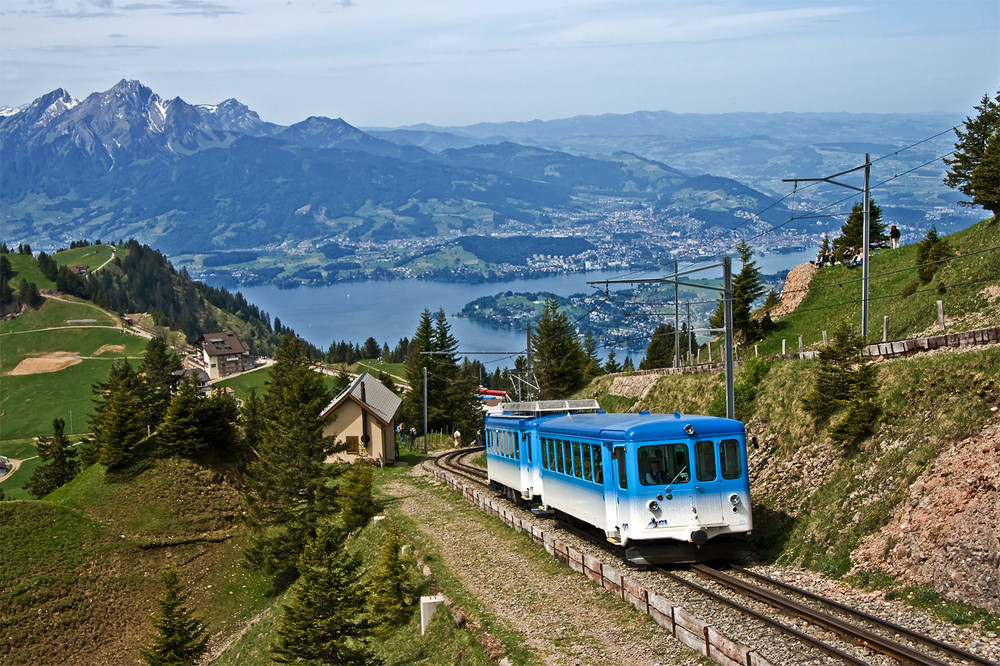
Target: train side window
<point x="588" y="467"/>
<point x="620" y="460"/>
<point x="517" y="446"/>
<point x="729" y="459"/>
<point x="560" y="462"/>
<point x="545" y="452"/>
<point x="704" y="455"/>
<point x="577" y="461"/>
<point x="552" y="454"/>
<point x="598" y="464"/>
<point x="527" y="444"/>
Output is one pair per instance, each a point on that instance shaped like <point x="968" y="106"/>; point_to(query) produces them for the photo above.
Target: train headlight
<point x="689" y="429"/>
<point x="734" y="499"/>
<point x="653" y="506"/>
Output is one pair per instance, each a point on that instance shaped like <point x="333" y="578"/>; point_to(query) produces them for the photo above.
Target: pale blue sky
<point x="452" y="62"/>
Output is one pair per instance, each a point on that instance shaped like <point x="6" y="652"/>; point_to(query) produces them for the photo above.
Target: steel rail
<point x="846" y="630"/>
<point x="909" y="633"/>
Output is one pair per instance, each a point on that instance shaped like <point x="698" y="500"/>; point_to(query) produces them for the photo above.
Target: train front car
<point x="674" y="488"/>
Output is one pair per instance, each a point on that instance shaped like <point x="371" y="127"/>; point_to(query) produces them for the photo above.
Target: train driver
<point x="654" y="476"/>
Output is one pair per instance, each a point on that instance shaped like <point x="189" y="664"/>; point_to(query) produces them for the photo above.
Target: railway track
<point x="789" y="603"/>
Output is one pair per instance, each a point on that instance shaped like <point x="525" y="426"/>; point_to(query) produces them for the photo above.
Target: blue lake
<point x="390" y="310"/>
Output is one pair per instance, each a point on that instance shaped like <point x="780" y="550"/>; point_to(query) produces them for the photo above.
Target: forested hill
<point x="140" y="279"/>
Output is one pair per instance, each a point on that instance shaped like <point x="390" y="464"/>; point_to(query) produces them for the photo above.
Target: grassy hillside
<point x="81" y="569"/>
<point x="963" y="284"/>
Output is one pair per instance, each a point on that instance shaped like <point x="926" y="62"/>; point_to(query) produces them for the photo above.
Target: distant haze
<point x="453" y="62"/>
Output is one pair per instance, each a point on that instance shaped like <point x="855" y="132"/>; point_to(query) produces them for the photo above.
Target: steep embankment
<point x="918" y="500"/>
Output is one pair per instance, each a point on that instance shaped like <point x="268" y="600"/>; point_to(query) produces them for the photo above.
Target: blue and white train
<point x="666" y="487"/>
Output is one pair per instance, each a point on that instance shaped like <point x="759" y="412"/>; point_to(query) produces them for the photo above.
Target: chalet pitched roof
<point x="371" y="394"/>
<point x="223" y="343"/>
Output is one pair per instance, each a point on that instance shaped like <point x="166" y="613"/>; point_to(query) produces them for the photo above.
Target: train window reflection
<point x="619" y="455"/>
<point x="577" y="462"/>
<point x="663" y="464"/>
<point x="704" y="454"/>
<point x="560" y="461"/>
<point x="588" y="470"/>
<point x="729" y="459"/>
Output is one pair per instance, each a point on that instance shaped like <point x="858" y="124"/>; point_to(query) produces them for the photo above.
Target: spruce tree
<point x="157" y="370"/>
<point x="60" y="461"/>
<point x="559" y="361"/>
<point x="117" y="421"/>
<point x="974" y="167"/>
<point x="660" y="351"/>
<point x="611" y="365"/>
<point x="287" y="484"/>
<point x="930" y="250"/>
<point x="355" y="499"/>
<point x="181" y="638"/>
<point x="326" y="621"/>
<point x="747" y="288"/>
<point x="852" y="231"/>
<point x="390" y="590"/>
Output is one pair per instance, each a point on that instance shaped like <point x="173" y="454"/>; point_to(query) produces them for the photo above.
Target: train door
<point x="616" y="499"/>
<point x="707" y="499"/>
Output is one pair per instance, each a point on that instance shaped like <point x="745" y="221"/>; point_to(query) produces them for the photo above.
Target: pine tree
<point x="356" y="504"/>
<point x="593" y="368"/>
<point x="974" y="167"/>
<point x="660" y="352"/>
<point x="390" y="590"/>
<point x="559" y="361"/>
<point x="747" y="288"/>
<point x="117" y="421"/>
<point x="611" y="366"/>
<point x="287" y="485"/>
<point x="157" y="370"/>
<point x="60" y="460"/>
<point x="181" y="638"/>
<point x="326" y="622"/>
<point x="931" y="249"/>
<point x="852" y="231"/>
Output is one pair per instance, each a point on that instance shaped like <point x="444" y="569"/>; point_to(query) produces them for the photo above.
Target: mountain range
<point x="213" y="179"/>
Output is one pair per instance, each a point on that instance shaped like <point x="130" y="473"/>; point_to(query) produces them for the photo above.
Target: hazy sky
<point x="455" y="62"/>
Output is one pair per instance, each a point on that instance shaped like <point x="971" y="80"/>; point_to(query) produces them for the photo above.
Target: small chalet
<point x="364" y="414"/>
<point x="224" y="354"/>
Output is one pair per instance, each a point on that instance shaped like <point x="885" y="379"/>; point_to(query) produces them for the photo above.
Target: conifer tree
<point x="157" y="370"/>
<point x="974" y="168"/>
<point x="611" y="365"/>
<point x="559" y="361"/>
<point x="181" y="638"/>
<point x="117" y="421"/>
<point x="60" y="460"/>
<point x="355" y="499"/>
<point x="747" y="288"/>
<point x="660" y="351"/>
<point x="852" y="231"/>
<point x="326" y="622"/>
<point x="390" y="591"/>
<point x="931" y="249"/>
<point x="287" y="484"/>
<point x="593" y="368"/>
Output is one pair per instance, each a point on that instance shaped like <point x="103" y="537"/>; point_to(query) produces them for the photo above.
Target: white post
<point x="427" y="607"/>
<point x="885" y="328"/>
<point x="800" y="344"/>
<point x="941" y="314"/>
<point x="783" y="341"/>
<point x="824" y="338"/>
<point x="756" y="353"/>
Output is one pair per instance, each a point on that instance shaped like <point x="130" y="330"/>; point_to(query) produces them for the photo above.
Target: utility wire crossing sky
<point x="457" y="62"/>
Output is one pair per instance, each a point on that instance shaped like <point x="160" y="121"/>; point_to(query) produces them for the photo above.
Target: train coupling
<point x="542" y="510"/>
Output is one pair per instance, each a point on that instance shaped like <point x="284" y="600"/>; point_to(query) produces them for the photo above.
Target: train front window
<point x="729" y="459"/>
<point x="663" y="464"/>
<point x="704" y="454"/>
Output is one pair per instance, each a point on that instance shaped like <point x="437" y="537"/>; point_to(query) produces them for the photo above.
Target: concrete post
<point x="783" y="341"/>
<point x="427" y="607"/>
<point x="941" y="314"/>
<point x="885" y="328"/>
<point x="801" y="348"/>
<point x="824" y="338"/>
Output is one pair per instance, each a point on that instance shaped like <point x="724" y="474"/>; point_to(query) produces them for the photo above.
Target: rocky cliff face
<point x="946" y="534"/>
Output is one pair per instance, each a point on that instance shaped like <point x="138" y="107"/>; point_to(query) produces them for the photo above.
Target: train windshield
<point x="664" y="464"/>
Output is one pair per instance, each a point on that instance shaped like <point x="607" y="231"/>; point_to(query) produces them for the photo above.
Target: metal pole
<point x="527" y="379"/>
<point x="727" y="277"/>
<point x="677" y="324"/>
<point x="866" y="250"/>
<point x="425" y="410"/>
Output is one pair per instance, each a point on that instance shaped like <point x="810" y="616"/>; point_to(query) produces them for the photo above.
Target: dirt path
<point x="563" y="617"/>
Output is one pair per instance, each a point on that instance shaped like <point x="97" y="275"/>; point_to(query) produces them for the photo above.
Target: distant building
<point x="364" y="419"/>
<point x="223" y="354"/>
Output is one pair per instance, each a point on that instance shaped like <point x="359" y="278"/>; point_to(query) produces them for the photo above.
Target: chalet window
<point x="354" y="445"/>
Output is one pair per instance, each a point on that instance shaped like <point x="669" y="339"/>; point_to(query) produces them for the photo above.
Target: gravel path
<point x="563" y="617"/>
<point x="566" y="620"/>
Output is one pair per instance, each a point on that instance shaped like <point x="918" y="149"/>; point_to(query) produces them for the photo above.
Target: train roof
<point x="642" y="426"/>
